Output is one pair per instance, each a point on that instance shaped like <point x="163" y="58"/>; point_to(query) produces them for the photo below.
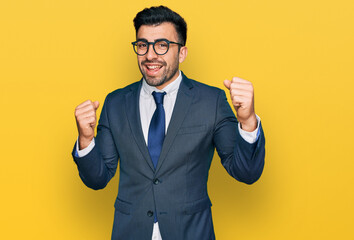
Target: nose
<point x="151" y="53"/>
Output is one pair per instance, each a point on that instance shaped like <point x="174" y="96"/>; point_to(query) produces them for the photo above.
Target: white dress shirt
<point x="147" y="108"/>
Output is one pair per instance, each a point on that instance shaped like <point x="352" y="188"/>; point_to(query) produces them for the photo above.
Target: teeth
<point x="152" y="67"/>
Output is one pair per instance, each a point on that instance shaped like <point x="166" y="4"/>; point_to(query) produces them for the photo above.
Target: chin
<point x="155" y="82"/>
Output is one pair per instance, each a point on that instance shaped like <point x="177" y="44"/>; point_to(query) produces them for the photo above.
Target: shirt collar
<point x="169" y="89"/>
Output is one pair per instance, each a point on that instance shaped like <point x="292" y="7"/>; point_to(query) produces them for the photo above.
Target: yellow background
<point x="54" y="54"/>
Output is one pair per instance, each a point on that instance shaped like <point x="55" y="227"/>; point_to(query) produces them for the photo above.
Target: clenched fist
<point x="242" y="97"/>
<point x="86" y="120"/>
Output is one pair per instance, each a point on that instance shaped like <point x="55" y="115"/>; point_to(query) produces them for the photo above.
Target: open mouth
<point x="152" y="69"/>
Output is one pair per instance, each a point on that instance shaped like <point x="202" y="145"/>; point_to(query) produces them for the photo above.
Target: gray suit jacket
<point x="176" y="191"/>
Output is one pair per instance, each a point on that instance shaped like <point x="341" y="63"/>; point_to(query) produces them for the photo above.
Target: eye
<point x="141" y="45"/>
<point x="162" y="44"/>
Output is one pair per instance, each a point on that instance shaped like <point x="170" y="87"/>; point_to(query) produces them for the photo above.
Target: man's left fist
<point x="242" y="96"/>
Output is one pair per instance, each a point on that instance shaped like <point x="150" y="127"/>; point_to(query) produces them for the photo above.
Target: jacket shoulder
<point x="206" y="89"/>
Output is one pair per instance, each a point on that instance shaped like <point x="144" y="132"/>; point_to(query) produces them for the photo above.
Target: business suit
<point x="176" y="190"/>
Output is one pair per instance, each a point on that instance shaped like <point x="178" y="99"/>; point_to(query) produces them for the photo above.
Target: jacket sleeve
<point x="98" y="167"/>
<point x="242" y="160"/>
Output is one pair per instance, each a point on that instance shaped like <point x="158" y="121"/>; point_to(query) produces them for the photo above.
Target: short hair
<point x="161" y="14"/>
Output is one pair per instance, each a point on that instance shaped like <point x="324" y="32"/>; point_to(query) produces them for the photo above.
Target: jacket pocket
<point x="197" y="206"/>
<point x="122" y="206"/>
<point x="188" y="130"/>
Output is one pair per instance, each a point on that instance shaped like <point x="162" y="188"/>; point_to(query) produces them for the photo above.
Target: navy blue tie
<point x="157" y="131"/>
<point x="157" y="128"/>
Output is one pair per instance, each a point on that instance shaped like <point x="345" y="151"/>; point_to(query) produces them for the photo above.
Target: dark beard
<point x="158" y="82"/>
<point x="155" y="83"/>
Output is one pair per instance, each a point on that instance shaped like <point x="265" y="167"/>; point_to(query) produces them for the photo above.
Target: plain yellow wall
<point x="54" y="54"/>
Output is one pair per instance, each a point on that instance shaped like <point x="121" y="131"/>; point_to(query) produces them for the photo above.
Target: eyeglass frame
<point x="153" y="45"/>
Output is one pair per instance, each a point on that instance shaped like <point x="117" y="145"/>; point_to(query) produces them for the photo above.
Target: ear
<point x="183" y="51"/>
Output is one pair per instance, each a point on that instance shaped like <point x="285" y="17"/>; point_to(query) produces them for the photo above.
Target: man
<point x="164" y="129"/>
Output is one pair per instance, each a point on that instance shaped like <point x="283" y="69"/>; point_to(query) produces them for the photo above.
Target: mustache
<point x="163" y="63"/>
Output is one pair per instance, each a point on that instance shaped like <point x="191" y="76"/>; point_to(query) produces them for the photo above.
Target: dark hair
<point x="161" y="14"/>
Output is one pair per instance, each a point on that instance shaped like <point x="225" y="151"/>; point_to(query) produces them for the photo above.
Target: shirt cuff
<point x="250" y="137"/>
<point x="85" y="151"/>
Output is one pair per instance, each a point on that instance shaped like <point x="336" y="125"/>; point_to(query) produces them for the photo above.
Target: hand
<point x="242" y="97"/>
<point x="85" y="115"/>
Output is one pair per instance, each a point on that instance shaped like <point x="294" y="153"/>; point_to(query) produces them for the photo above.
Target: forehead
<point x="152" y="32"/>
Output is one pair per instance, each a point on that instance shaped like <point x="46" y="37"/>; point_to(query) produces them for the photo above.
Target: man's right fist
<point x="85" y="115"/>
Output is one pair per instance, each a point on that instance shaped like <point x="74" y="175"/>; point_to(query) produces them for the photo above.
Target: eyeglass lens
<point x="160" y="47"/>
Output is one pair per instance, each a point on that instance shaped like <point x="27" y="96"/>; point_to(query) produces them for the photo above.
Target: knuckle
<point x="80" y="119"/>
<point x="248" y="94"/>
<point x="77" y="115"/>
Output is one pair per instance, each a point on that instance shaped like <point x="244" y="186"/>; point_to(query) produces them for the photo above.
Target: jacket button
<point x="156" y="181"/>
<point x="150" y="213"/>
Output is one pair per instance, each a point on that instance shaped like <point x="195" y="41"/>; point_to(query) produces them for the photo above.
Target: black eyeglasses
<point x="160" y="46"/>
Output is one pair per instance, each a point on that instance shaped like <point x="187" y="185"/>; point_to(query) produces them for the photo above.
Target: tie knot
<point x="158" y="96"/>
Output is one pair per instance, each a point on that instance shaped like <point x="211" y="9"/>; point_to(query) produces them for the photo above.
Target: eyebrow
<point x="159" y="39"/>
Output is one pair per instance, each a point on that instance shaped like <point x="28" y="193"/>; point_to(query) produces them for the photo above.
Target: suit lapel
<point x="183" y="102"/>
<point x="133" y="114"/>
